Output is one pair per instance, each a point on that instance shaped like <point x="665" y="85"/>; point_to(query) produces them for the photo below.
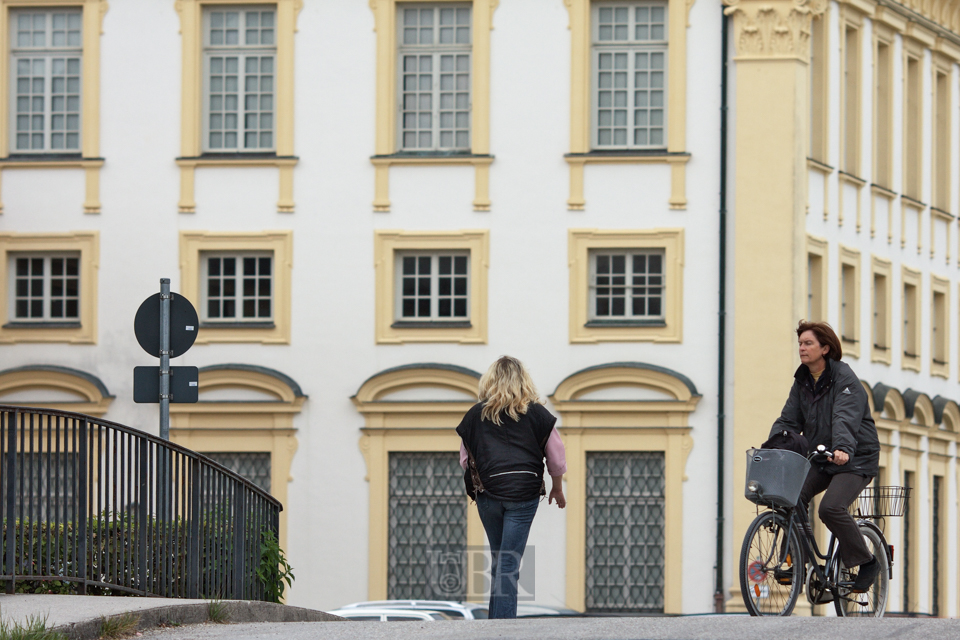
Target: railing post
<point x="81" y="531"/>
<point x="193" y="535"/>
<point x="12" y="500"/>
<point x="239" y="538"/>
<point x="142" y="526"/>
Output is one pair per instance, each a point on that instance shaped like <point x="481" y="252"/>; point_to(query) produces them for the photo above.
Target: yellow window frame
<point x="849" y="259"/>
<point x="191" y="106"/>
<point x="387" y="242"/>
<point x="911" y="277"/>
<point x="89" y="160"/>
<point x="676" y="156"/>
<point x="87" y="244"/>
<point x="279" y="242"/>
<point x="582" y="241"/>
<point x="881" y="351"/>
<point x="385" y="146"/>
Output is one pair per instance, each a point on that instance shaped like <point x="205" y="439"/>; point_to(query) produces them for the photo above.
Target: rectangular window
<point x="883" y="106"/>
<point x="909" y="551"/>
<point x="941" y="142"/>
<point x="815" y="308"/>
<point x="937" y="564"/>
<point x="239" y="58"/>
<point x="939" y="326"/>
<point x="818" y="88"/>
<point x="913" y="129"/>
<point x="428" y="527"/>
<point x="848" y="303"/>
<point x="626" y="285"/>
<point x="851" y="100"/>
<point x="630" y="66"/>
<point x="880" y="317"/>
<point x="911" y="324"/>
<point x="434" y="57"/>
<point x="433" y="287"/>
<point x="45" y="288"/>
<point x="624" y="537"/>
<point x="45" y="56"/>
<point x="237" y="287"/>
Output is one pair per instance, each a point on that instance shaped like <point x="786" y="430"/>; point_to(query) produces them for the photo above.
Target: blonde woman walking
<point x="509" y="433"/>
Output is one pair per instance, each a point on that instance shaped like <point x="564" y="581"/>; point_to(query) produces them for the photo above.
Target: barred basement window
<point x="625" y="532"/>
<point x="434" y="58"/>
<point x="630" y="65"/>
<point x="46" y="54"/>
<point x="255" y="467"/>
<point x="239" y="46"/>
<point x="237" y="287"/>
<point x="433" y="287"/>
<point x="45" y="288"/>
<point x="428" y="527"/>
<point x="45" y="485"/>
<point x="626" y="285"/>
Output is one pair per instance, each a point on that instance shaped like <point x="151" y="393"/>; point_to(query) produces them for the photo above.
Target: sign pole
<point x="165" y="358"/>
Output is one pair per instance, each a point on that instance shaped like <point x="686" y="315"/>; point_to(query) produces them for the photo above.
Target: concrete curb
<point x="179" y="614"/>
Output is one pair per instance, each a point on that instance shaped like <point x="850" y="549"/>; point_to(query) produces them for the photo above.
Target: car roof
<point x="415" y="603"/>
<point x="421" y="614"/>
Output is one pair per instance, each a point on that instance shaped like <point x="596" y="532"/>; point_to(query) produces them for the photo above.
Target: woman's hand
<point x="840" y="457"/>
<point x="556" y="493"/>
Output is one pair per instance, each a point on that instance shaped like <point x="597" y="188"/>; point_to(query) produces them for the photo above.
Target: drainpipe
<point x="719" y="596"/>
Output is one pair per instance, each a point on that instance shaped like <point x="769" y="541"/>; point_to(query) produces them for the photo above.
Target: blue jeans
<point x="507" y="525"/>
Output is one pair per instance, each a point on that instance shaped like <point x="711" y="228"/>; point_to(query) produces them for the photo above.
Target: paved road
<point x="685" y="628"/>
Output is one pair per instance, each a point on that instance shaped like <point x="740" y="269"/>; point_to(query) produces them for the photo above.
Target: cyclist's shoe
<point x="783" y="576"/>
<point x="865" y="576"/>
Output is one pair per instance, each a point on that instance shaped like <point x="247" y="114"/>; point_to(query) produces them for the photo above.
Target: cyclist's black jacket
<point x="833" y="412"/>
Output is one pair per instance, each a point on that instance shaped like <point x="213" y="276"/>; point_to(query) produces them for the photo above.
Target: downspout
<point x="719" y="596"/>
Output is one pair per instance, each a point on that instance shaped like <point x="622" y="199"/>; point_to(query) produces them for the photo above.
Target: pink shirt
<point x="556" y="455"/>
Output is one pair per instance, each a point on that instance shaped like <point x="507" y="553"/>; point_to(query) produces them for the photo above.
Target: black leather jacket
<point x="833" y="412"/>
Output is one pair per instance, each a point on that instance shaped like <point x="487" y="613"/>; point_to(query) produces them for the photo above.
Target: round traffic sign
<point x="183" y="325"/>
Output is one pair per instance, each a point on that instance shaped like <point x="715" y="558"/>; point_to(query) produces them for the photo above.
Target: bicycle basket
<point x="775" y="476"/>
<point x="879" y="502"/>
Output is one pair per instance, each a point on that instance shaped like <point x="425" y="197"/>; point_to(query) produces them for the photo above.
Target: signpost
<point x="166" y="327"/>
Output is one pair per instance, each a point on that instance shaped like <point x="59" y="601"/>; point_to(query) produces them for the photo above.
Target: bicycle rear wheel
<point x="771" y="566"/>
<point x="873" y="602"/>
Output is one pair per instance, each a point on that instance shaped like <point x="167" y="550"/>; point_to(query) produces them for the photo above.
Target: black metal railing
<point x="103" y="505"/>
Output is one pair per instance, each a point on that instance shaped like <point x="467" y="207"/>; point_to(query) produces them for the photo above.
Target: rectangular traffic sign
<point x="183" y="384"/>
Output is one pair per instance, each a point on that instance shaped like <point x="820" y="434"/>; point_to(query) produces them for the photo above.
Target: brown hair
<point x="825" y="336"/>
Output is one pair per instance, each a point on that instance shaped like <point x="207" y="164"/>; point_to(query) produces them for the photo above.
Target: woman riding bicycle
<point x="828" y="406"/>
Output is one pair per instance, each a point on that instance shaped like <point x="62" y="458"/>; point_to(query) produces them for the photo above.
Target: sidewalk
<point x="80" y="617"/>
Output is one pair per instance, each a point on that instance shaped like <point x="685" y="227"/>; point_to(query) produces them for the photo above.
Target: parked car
<point x="543" y="611"/>
<point x="454" y="610"/>
<point x="360" y="614"/>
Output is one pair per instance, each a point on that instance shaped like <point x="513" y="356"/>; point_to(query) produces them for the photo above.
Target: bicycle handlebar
<point x="821" y="452"/>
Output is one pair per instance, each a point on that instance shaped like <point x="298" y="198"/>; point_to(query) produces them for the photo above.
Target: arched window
<point x="420" y="527"/>
<point x="625" y="429"/>
<point x="244" y="421"/>
<point x="54" y="387"/>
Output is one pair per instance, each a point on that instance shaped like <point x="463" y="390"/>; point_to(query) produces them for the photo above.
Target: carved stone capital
<point x="773" y="28"/>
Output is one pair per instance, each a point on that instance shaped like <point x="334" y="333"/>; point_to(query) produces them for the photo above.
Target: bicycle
<point x="779" y="544"/>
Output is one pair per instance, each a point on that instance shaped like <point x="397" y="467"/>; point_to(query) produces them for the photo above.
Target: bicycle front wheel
<point x="771" y="566"/>
<point x="873" y="602"/>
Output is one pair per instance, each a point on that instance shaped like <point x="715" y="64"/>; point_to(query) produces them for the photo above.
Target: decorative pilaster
<point x="772" y="113"/>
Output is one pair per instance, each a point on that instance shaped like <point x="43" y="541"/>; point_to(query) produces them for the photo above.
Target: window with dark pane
<point x="627" y="285"/>
<point x="434" y="58"/>
<point x="238" y="288"/>
<point x="46" y="288"/>
<point x="427" y="527"/>
<point x="254" y="466"/>
<point x="433" y="286"/>
<point x="625" y="532"/>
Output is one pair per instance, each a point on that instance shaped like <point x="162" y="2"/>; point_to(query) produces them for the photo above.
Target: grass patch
<point x="217" y="612"/>
<point x="35" y="628"/>
<point x="119" y="626"/>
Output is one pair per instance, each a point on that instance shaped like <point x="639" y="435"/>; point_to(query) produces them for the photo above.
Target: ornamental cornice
<point x="773" y="29"/>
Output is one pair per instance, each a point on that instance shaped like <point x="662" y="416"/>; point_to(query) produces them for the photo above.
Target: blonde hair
<point x="506" y="386"/>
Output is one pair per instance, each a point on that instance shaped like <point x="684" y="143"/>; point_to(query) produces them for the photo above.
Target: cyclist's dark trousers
<point x="841" y="490"/>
